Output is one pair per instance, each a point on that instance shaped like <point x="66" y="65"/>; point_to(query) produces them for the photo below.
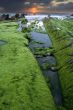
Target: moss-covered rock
<point x="22" y="85"/>
<point x="60" y="39"/>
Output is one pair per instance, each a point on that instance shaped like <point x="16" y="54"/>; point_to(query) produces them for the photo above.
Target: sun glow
<point x="34" y="10"/>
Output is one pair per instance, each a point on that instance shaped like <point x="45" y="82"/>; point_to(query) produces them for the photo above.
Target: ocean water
<point x="30" y="17"/>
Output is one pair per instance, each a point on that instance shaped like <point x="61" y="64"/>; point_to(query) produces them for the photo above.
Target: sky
<point x="36" y="6"/>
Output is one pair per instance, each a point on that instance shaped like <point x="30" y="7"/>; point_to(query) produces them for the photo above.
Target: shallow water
<point x="39" y="40"/>
<point x="2" y="42"/>
<point x="55" y="85"/>
<point x="48" y="59"/>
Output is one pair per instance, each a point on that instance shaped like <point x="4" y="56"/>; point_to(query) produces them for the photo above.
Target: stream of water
<point x="43" y="41"/>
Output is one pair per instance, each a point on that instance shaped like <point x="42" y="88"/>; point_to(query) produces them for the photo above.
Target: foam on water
<point x="33" y="17"/>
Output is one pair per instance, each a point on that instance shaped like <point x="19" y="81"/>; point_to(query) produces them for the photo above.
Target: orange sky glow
<point x="34" y="10"/>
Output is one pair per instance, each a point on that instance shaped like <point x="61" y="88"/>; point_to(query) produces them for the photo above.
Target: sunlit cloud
<point x="41" y="5"/>
<point x="26" y="3"/>
<point x="35" y="4"/>
<point x="60" y="2"/>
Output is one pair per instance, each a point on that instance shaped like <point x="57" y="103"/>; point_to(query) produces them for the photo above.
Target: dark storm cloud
<point x="68" y="6"/>
<point x="62" y="4"/>
<point x="12" y="5"/>
<point x="19" y="5"/>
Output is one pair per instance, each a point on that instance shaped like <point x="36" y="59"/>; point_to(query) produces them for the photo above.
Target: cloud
<point x="1" y="9"/>
<point x="26" y="3"/>
<point x="35" y="4"/>
<point x="38" y="4"/>
<point x="42" y="5"/>
<point x="60" y="2"/>
<point x="61" y="5"/>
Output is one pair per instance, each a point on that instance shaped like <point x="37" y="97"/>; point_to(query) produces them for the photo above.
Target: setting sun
<point x="34" y="10"/>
